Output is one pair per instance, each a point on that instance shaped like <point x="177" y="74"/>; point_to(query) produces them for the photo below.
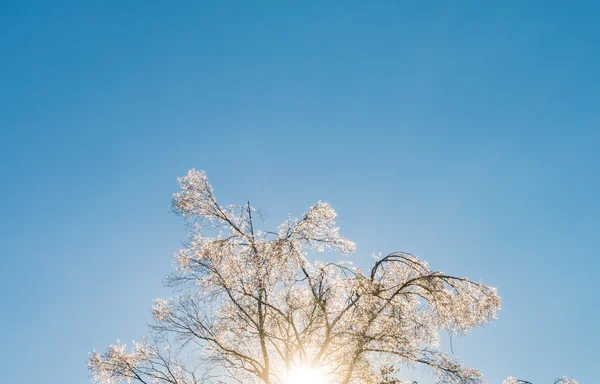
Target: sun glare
<point x="306" y="376"/>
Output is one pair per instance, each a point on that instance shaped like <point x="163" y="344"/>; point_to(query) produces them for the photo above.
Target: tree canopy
<point x="251" y="306"/>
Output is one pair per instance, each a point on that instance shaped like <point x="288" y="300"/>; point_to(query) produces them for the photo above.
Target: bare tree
<point x="252" y="307"/>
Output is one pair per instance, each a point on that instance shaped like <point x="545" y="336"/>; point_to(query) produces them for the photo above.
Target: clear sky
<point x="464" y="132"/>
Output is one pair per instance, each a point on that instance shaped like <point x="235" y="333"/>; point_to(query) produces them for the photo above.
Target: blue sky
<point x="463" y="132"/>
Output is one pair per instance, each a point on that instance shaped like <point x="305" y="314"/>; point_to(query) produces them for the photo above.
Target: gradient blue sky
<point x="466" y="133"/>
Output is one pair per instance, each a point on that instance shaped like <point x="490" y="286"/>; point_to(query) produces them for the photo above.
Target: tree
<point x="253" y="308"/>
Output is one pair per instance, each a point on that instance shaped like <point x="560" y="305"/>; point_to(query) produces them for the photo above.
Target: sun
<point x="302" y="375"/>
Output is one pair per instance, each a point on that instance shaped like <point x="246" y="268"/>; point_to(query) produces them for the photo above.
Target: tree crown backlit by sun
<point x="252" y="307"/>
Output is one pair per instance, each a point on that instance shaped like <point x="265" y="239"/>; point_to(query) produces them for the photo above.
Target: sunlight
<point x="304" y="375"/>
